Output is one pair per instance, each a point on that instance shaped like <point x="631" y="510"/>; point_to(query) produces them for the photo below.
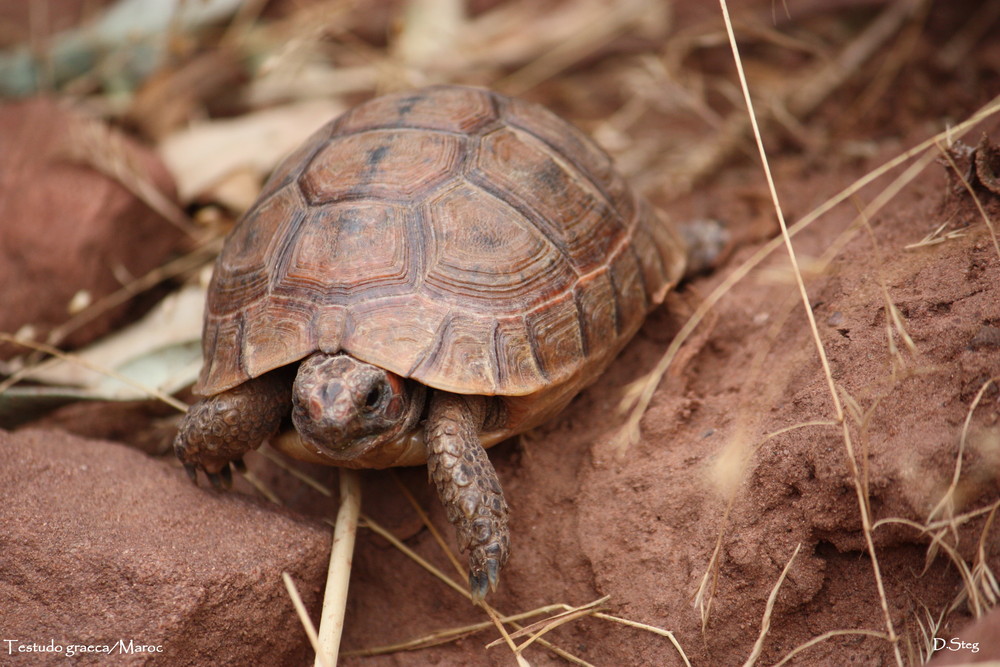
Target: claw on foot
<point x="484" y="570"/>
<point x="481" y="582"/>
<point x="221" y="480"/>
<point x="478" y="586"/>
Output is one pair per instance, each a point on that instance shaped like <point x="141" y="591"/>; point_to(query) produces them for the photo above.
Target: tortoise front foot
<point x="468" y="486"/>
<point x="221" y="480"/>
<point x="217" y="431"/>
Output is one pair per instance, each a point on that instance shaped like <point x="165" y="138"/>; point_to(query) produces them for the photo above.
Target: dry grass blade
<point x="461" y="590"/>
<point x="705" y="594"/>
<point x="450" y="634"/>
<point x="957" y="520"/>
<point x="192" y="260"/>
<point x="648" y="628"/>
<point x="981" y="573"/>
<point x="422" y="562"/>
<point x="891" y="310"/>
<point x="636" y="403"/>
<point x="927" y="633"/>
<point x="447" y="635"/>
<point x="176" y="267"/>
<point x="609" y="22"/>
<point x="978" y="581"/>
<point x="801" y="95"/>
<point x="832" y="75"/>
<point x="795" y="427"/>
<point x="331" y="624"/>
<point x="260" y="487"/>
<point x="276" y="459"/>
<point x="866" y="524"/>
<point x="72" y="358"/>
<point x="946" y="505"/>
<point x="300" y="610"/>
<point x="765" y="621"/>
<point x="434" y="638"/>
<point x="492" y="613"/>
<point x="736" y="454"/>
<point x="935" y="236"/>
<point x="543" y="626"/>
<point x="975" y="198"/>
<point x="495" y="617"/>
<point x="429" y="525"/>
<point x="829" y="635"/>
<point x="821" y="351"/>
<point x="799" y="281"/>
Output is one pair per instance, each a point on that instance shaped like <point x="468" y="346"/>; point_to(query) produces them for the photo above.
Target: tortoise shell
<point x="472" y="242"/>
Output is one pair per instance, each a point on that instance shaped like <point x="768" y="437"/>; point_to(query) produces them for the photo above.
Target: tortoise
<point x="431" y="273"/>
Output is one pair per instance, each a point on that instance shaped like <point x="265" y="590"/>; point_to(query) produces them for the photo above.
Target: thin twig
<point x="536" y="630"/>
<point x="946" y="504"/>
<point x="429" y="525"/>
<point x="829" y="635"/>
<point x="413" y="555"/>
<point x="305" y="478"/>
<point x="648" y="628"/>
<point x="975" y="198"/>
<point x="450" y="634"/>
<point x="629" y="432"/>
<point x="72" y="358"/>
<point x="300" y="611"/>
<point x="821" y="351"/>
<point x="338" y="576"/>
<point x="765" y="621"/>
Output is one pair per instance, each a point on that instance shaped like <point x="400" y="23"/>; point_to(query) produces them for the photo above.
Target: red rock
<point x="102" y="543"/>
<point x="66" y="227"/>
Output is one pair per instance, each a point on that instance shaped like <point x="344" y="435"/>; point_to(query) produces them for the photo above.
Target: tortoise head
<point x="345" y="410"/>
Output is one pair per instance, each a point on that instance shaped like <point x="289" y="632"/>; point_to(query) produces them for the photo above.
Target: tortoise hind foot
<point x="468" y="486"/>
<point x="220" y="429"/>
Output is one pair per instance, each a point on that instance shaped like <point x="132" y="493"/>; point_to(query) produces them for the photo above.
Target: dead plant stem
<point x="765" y="622"/>
<point x="303" y="614"/>
<point x="331" y="624"/>
<point x="72" y="358"/>
<point x="834" y="396"/>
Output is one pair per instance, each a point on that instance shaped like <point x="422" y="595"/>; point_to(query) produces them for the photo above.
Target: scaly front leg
<point x="220" y="429"/>
<point x="468" y="486"/>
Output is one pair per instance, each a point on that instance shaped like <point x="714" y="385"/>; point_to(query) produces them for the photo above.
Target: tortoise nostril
<point x="315" y="408"/>
<point x="374" y="397"/>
